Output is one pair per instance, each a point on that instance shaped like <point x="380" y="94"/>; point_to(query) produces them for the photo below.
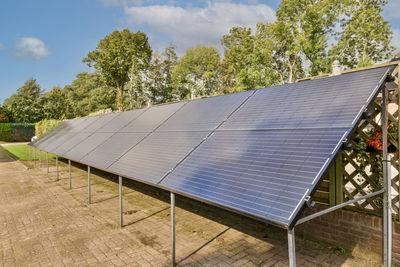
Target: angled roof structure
<point x="260" y="153"/>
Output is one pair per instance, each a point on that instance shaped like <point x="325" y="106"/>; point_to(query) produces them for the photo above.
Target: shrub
<point x="22" y="131"/>
<point x="5" y="132"/>
<point x="45" y="125"/>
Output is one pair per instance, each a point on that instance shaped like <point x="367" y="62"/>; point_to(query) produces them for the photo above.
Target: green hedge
<point x="44" y="126"/>
<point x="5" y="132"/>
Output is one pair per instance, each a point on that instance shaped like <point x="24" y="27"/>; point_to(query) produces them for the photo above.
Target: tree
<point x="88" y="93"/>
<point x="55" y="104"/>
<point x="247" y="60"/>
<point x="365" y="37"/>
<point x="310" y="23"/>
<point x="196" y="73"/>
<point x="159" y="76"/>
<point x="3" y="114"/>
<point x="26" y="105"/>
<point x="118" y="55"/>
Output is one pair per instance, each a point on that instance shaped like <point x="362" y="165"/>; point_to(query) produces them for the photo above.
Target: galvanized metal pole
<point x="47" y="161"/>
<point x="387" y="197"/>
<point x="173" y="228"/>
<point x="40" y="158"/>
<point x="121" y="222"/>
<point x="89" y="189"/>
<point x="58" y="176"/>
<point x="292" y="248"/>
<point x="29" y="152"/>
<point x="34" y="157"/>
<point x="69" y="172"/>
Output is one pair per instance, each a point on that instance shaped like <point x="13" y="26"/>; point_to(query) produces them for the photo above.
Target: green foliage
<point x="5" y="132"/>
<point x="3" y="115"/>
<point x="159" y="77"/>
<point x="55" y="104"/>
<point x="88" y="93"/>
<point x="117" y="56"/>
<point x="26" y="105"/>
<point x="196" y="73"/>
<point x="45" y="125"/>
<point x="366" y="36"/>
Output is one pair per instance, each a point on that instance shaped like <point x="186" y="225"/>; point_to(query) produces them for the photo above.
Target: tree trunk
<point x="120" y="100"/>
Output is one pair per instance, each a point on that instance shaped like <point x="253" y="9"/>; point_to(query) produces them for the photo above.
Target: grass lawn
<point x="21" y="152"/>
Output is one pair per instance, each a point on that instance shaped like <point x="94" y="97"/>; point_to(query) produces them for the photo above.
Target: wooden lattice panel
<point x="359" y="180"/>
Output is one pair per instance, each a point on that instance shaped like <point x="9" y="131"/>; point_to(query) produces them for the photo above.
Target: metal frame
<point x="89" y="189"/>
<point x="69" y="174"/>
<point x="47" y="161"/>
<point x="57" y="173"/>
<point x="173" y="262"/>
<point x="40" y="158"/>
<point x="121" y="219"/>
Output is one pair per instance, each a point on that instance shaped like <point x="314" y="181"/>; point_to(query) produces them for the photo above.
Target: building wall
<point x="360" y="234"/>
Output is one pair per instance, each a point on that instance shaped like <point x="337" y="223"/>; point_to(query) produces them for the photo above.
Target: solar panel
<point x="204" y="114"/>
<point x="327" y="102"/>
<point x="156" y="155"/>
<point x="86" y="146"/>
<point x="152" y="118"/>
<point x="112" y="149"/>
<point x="121" y="120"/>
<point x="263" y="173"/>
<point x="102" y="121"/>
<point x="70" y="140"/>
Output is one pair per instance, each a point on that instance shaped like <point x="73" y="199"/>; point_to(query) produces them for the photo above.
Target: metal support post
<point x="173" y="228"/>
<point x="89" y="189"/>
<point x="387" y="197"/>
<point x="29" y="152"/>
<point x="34" y="157"/>
<point x="292" y="248"/>
<point x="40" y="158"/>
<point x="121" y="222"/>
<point x="58" y="176"/>
<point x="47" y="161"/>
<point x="69" y="173"/>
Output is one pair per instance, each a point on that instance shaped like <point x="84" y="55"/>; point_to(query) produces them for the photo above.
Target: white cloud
<point x="187" y="26"/>
<point x="33" y="48"/>
<point x="2" y="46"/>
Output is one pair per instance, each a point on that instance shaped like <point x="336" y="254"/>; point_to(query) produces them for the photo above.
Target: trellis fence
<point x="359" y="171"/>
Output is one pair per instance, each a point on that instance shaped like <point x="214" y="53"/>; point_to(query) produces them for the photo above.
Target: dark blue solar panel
<point x="263" y="173"/>
<point x="121" y="120"/>
<point x="152" y="118"/>
<point x="327" y="102"/>
<point x="86" y="146"/>
<point x="156" y="155"/>
<point x="204" y="114"/>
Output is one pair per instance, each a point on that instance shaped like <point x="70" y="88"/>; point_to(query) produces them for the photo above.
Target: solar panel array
<point x="257" y="152"/>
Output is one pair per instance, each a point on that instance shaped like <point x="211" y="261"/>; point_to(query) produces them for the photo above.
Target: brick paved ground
<point x="44" y="223"/>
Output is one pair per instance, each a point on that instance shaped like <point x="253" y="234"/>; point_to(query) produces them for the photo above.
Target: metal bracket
<point x="311" y="204"/>
<point x="368" y="111"/>
<point x="347" y="146"/>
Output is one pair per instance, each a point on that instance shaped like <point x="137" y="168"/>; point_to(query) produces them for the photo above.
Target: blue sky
<point x="47" y="39"/>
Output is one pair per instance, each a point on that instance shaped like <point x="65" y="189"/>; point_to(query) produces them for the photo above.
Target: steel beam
<point x="121" y="219"/>
<point x="69" y="173"/>
<point x="292" y="248"/>
<point x="89" y="189"/>
<point x="387" y="184"/>
<point x="173" y="229"/>
<point x="58" y="175"/>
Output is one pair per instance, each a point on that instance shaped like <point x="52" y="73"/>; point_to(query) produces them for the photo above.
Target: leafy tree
<point x="88" y="93"/>
<point x="159" y="76"/>
<point x="278" y="49"/>
<point x="26" y="105"/>
<point x="55" y="104"/>
<point x="310" y="23"/>
<point x="3" y="114"/>
<point x="196" y="73"/>
<point x="247" y="62"/>
<point x="117" y="55"/>
<point x="365" y="37"/>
